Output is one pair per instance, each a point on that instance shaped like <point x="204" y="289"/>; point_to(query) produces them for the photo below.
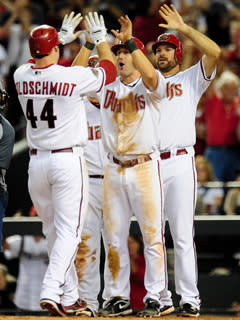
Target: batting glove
<point x="97" y="30"/>
<point x="66" y="33"/>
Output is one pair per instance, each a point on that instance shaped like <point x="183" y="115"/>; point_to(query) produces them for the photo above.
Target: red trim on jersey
<point x="81" y="200"/>
<point x="110" y="69"/>
<point x="44" y="67"/>
<point x="202" y="69"/>
<point x="162" y="224"/>
<point x="194" y="207"/>
<point x="32" y="60"/>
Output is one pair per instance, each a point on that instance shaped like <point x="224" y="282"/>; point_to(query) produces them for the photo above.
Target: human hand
<point x="69" y="24"/>
<point x="126" y="29"/>
<point x="97" y="30"/>
<point x="173" y="19"/>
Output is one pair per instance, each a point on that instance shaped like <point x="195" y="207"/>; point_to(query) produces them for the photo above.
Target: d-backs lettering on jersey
<point x="174" y="89"/>
<point x="126" y="104"/>
<point x="95" y="155"/>
<point x="178" y="109"/>
<point x="130" y="116"/>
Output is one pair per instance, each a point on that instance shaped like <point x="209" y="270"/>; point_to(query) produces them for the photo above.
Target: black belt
<point x="96" y="176"/>
<point x="34" y="151"/>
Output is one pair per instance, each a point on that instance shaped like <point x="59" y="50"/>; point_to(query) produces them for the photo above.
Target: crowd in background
<point x="218" y="116"/>
<point x="217" y="121"/>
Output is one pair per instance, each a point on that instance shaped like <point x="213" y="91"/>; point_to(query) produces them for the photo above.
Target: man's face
<point x="165" y="57"/>
<point x="124" y="62"/>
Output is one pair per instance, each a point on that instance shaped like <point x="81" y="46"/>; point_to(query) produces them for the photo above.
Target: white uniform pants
<point x="58" y="186"/>
<point x="136" y="190"/>
<point x="180" y="189"/>
<point x="88" y="256"/>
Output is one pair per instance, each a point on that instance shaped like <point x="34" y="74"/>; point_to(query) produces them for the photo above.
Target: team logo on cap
<point x="164" y="37"/>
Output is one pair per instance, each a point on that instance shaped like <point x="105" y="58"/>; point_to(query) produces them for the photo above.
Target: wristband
<point x="89" y="45"/>
<point x="131" y="45"/>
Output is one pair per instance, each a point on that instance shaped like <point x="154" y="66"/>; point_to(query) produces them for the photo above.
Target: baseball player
<point x="177" y="137"/>
<point x="132" y="178"/>
<point x="88" y="255"/>
<point x="50" y="96"/>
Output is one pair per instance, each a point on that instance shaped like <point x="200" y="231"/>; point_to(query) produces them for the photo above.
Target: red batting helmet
<point x="42" y="39"/>
<point x="93" y="62"/>
<point x="169" y="38"/>
<point x="138" y="42"/>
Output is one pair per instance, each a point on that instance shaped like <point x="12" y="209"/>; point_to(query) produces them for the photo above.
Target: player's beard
<point x="167" y="67"/>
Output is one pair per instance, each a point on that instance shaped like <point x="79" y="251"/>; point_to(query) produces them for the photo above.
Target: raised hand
<point x="126" y="29"/>
<point x="97" y="29"/>
<point x="67" y="32"/>
<point x="173" y="19"/>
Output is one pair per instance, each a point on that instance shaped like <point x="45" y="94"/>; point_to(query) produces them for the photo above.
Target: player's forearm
<point x="104" y="52"/>
<point x="146" y="69"/>
<point x="82" y="57"/>
<point x="202" y="42"/>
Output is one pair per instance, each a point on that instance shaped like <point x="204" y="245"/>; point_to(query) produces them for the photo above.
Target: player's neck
<point x="45" y="62"/>
<point x="130" y="78"/>
<point x="171" y="72"/>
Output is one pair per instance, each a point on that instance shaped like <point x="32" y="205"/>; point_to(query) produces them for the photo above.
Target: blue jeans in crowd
<point x="224" y="161"/>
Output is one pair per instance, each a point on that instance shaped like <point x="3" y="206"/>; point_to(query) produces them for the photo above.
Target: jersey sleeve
<point x="90" y="80"/>
<point x="198" y="77"/>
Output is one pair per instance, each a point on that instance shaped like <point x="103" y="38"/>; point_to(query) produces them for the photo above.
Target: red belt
<point x="132" y="162"/>
<point x="34" y="151"/>
<point x="167" y="154"/>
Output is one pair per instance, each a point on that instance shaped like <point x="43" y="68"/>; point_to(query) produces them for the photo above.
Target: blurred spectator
<point x="7" y="287"/>
<point x="232" y="55"/>
<point x="18" y="48"/>
<point x="4" y="66"/>
<point x="218" y="23"/>
<point x="33" y="259"/>
<point x="57" y="11"/>
<point x="200" y="206"/>
<point x="232" y="200"/>
<point x="222" y="115"/>
<point x="69" y="53"/>
<point x="212" y="197"/>
<point x="200" y="144"/>
<point x="145" y="24"/>
<point x="137" y="289"/>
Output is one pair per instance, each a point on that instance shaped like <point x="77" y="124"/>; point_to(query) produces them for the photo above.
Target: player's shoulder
<point x="23" y="68"/>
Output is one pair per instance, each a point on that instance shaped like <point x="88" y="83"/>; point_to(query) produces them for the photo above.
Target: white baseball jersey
<point x="177" y="132"/>
<point x="178" y="109"/>
<point x="56" y="117"/>
<point x="129" y="115"/>
<point x="94" y="149"/>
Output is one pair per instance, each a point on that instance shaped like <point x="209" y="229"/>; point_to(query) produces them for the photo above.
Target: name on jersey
<point x="129" y="103"/>
<point x="173" y="90"/>
<point x="45" y="88"/>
